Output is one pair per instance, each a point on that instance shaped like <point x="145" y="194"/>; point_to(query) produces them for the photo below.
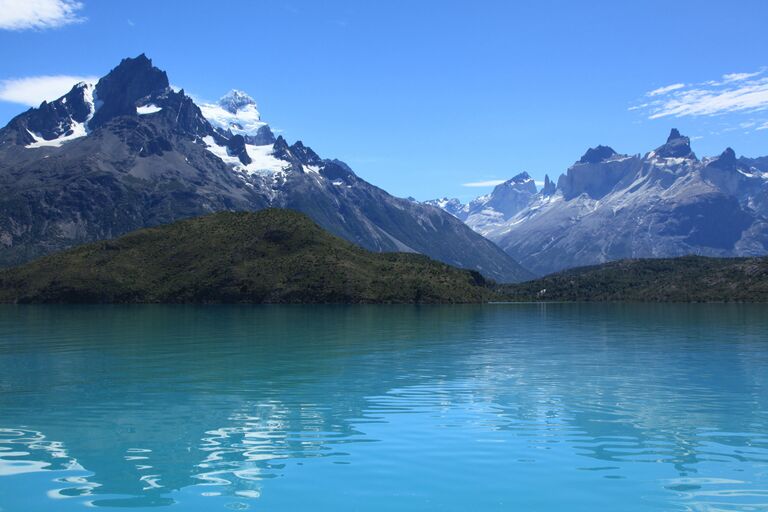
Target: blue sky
<point x="421" y="98"/>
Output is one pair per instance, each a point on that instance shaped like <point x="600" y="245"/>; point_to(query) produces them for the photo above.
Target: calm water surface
<point x="450" y="408"/>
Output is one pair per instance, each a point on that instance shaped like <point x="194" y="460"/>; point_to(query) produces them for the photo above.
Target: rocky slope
<point x="667" y="203"/>
<point x="270" y="256"/>
<point x="130" y="152"/>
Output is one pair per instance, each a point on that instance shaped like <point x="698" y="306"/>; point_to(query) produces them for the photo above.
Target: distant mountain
<point x="130" y="152"/>
<point x="270" y="256"/>
<point x="609" y="206"/>
<point x="506" y="200"/>
<point x="685" y="279"/>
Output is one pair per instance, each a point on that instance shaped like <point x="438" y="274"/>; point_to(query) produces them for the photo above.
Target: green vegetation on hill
<point x="272" y="256"/>
<point x="686" y="279"/>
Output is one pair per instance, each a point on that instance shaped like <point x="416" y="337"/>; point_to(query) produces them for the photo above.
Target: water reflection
<point x="227" y="406"/>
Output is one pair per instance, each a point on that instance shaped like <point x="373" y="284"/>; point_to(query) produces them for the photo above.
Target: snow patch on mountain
<point x="69" y="129"/>
<point x="75" y="131"/>
<point x="262" y="159"/>
<point x="148" y="109"/>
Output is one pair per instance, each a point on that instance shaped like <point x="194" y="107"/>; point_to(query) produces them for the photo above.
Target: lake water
<point x="381" y="408"/>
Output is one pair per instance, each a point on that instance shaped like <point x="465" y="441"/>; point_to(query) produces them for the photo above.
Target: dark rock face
<point x="549" y="186"/>
<point x="304" y="154"/>
<point x="132" y="170"/>
<point x="597" y="155"/>
<point x="726" y="161"/>
<point x="52" y="120"/>
<point x="236" y="147"/>
<point x="121" y="89"/>
<point x="761" y="163"/>
<point x="263" y="137"/>
<point x="677" y="146"/>
<point x="187" y="118"/>
<point x="715" y="221"/>
<point x="281" y="150"/>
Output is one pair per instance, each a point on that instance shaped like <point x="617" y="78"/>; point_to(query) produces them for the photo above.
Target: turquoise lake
<point x="525" y="407"/>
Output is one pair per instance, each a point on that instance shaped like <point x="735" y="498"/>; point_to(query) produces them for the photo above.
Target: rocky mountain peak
<point x="726" y="161"/>
<point x="677" y="146"/>
<point x="674" y="134"/>
<point x="520" y="182"/>
<point x="523" y="177"/>
<point x="281" y="149"/>
<point x="549" y="187"/>
<point x="728" y="156"/>
<point x="263" y="136"/>
<point x="305" y="154"/>
<point x="120" y="90"/>
<point x="597" y="155"/>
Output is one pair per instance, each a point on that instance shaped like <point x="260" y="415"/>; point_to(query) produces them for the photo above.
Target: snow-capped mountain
<point x="236" y="113"/>
<point x="610" y="206"/>
<point x="129" y="152"/>
<point x="489" y="210"/>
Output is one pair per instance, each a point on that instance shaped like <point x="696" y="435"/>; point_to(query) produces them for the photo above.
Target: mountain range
<point x="130" y="152"/>
<point x="609" y="206"/>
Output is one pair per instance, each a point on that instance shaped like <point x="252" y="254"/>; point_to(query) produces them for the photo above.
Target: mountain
<point x="131" y="152"/>
<point x="270" y="256"/>
<point x="685" y="279"/>
<point x="506" y="200"/>
<point x="666" y="203"/>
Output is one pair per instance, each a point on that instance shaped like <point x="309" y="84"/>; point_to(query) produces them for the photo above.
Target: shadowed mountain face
<point x="609" y="206"/>
<point x="130" y="152"/>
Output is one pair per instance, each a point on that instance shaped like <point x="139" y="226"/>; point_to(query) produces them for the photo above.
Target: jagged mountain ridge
<point x="502" y="203"/>
<point x="666" y="203"/>
<point x="130" y="152"/>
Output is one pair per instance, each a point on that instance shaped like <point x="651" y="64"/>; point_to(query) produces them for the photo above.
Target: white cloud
<point x="489" y="183"/>
<point x="38" y="14"/>
<point x="734" y="93"/>
<point x="31" y="91"/>
<point x="737" y="77"/>
<point x="763" y="126"/>
<point x="665" y="89"/>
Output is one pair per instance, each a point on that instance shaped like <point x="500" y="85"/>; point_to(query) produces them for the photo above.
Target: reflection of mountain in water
<point x="139" y="402"/>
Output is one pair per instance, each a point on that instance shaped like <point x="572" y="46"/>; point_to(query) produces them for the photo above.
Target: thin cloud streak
<point x="664" y="90"/>
<point x="488" y="183"/>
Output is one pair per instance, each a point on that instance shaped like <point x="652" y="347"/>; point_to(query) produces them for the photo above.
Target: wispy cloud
<point x="38" y="14"/>
<point x="737" y="77"/>
<point x="488" y="183"/>
<point x="665" y="89"/>
<point x="763" y="126"/>
<point x="732" y="93"/>
<point x="32" y="90"/>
